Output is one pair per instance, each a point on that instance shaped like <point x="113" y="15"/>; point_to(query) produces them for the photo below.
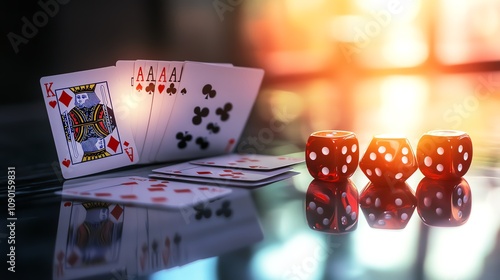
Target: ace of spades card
<point x="89" y="132"/>
<point x="91" y="238"/>
<point x="145" y="78"/>
<point x="211" y="111"/>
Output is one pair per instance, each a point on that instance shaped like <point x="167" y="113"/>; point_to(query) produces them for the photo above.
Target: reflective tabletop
<point x="269" y="232"/>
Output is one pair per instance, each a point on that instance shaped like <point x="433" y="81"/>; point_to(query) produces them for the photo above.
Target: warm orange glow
<point x="335" y="46"/>
<point x="289" y="36"/>
<point x="469" y="32"/>
<point x="283" y="33"/>
<point x="403" y="99"/>
<point x="405" y="46"/>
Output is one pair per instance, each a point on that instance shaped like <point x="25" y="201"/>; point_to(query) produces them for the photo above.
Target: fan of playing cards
<point x="147" y="111"/>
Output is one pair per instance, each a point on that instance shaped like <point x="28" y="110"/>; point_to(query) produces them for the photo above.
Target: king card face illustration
<point x="89" y="122"/>
<point x="89" y="133"/>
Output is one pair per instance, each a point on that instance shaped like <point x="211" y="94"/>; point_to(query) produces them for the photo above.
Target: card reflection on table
<point x="102" y="238"/>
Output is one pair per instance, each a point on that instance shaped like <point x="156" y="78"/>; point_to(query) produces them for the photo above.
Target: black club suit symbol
<point x="223" y="112"/>
<point x="208" y="91"/>
<point x="225" y="210"/>
<point x="202" y="142"/>
<point x="199" y="114"/>
<point x="150" y="88"/>
<point x="213" y="128"/>
<point x="183" y="139"/>
<point x="171" y="89"/>
<point x="202" y="212"/>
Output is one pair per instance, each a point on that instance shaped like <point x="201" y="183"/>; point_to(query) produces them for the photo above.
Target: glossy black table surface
<point x="265" y="235"/>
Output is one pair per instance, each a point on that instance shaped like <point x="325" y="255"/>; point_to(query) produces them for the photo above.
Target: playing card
<point x="226" y="183"/>
<point x="210" y="114"/>
<point x="128" y="97"/>
<point x="169" y="77"/>
<point x="148" y="192"/>
<point x="92" y="238"/>
<point x="208" y="172"/>
<point x="156" y="119"/>
<point x="145" y="87"/>
<point x="89" y="132"/>
<point x="77" y="188"/>
<point x="249" y="161"/>
<point x="172" y="88"/>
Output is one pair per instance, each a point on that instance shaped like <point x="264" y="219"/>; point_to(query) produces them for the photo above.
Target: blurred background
<point x="367" y="66"/>
<point x="405" y="66"/>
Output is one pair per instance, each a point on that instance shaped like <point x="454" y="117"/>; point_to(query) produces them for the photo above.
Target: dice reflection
<point x="332" y="207"/>
<point x="444" y="203"/>
<point x="388" y="206"/>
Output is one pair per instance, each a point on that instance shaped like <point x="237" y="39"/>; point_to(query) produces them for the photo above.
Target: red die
<point x="388" y="159"/>
<point x="332" y="206"/>
<point x="444" y="154"/>
<point x="388" y="207"/>
<point x="444" y="203"/>
<point x="332" y="155"/>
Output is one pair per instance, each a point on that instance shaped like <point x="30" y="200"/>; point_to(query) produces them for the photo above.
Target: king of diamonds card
<point x="89" y="134"/>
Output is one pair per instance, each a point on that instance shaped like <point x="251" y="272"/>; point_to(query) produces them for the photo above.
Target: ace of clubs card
<point x="211" y="112"/>
<point x="89" y="134"/>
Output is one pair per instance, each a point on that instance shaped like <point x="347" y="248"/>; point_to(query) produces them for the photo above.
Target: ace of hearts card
<point x="89" y="132"/>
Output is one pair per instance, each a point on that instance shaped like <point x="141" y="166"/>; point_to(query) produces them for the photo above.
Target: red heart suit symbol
<point x="161" y="88"/>
<point x="66" y="162"/>
<point x="53" y="104"/>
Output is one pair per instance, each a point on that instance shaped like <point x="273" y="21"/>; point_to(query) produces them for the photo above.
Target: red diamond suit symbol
<point x="65" y="98"/>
